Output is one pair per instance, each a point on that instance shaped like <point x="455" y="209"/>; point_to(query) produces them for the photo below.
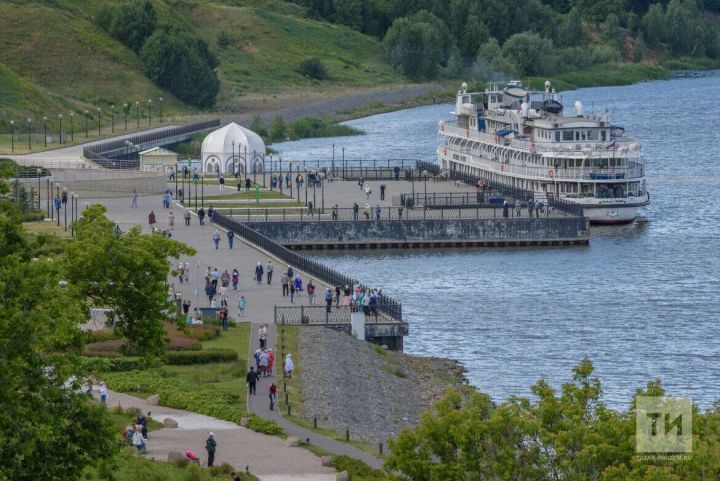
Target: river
<point x="641" y="301"/>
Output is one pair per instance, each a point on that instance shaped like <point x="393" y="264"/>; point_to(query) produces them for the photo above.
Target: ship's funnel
<point x="524" y="108"/>
<point x="578" y="108"/>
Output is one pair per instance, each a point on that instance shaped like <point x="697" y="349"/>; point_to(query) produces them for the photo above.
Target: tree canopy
<point x="125" y="273"/>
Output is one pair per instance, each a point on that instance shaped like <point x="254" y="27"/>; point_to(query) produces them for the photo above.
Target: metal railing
<point x="388" y="306"/>
<point x="109" y="154"/>
<point x="383" y="214"/>
<point x="320" y="315"/>
<point x="432" y="200"/>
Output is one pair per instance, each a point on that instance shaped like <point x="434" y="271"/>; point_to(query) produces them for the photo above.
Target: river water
<point x="641" y="301"/>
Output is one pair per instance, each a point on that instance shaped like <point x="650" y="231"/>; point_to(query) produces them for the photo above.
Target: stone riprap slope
<point x="356" y="385"/>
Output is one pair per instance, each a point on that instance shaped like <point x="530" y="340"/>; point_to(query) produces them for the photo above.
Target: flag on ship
<point x="611" y="146"/>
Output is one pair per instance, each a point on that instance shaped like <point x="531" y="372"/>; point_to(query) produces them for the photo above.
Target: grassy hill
<point x="54" y="57"/>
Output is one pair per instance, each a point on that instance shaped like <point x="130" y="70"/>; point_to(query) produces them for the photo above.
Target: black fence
<point x="320" y="315"/>
<point x="375" y="214"/>
<point x="387" y="306"/>
<point x="438" y="200"/>
<point x="110" y="154"/>
<point x="431" y="168"/>
<point x="337" y="166"/>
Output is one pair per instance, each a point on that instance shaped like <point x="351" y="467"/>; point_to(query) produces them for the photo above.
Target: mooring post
<point x="347" y="435"/>
<point x="315" y="422"/>
<point x="380" y="448"/>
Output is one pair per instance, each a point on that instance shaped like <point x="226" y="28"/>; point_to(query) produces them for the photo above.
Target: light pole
<point x="332" y="169"/>
<point x="12" y="137"/>
<point x="233" y="159"/>
<point x="60" y="135"/>
<point x="137" y="112"/>
<point x="125" y="109"/>
<point x="39" y="171"/>
<point x="29" y="123"/>
<point x="45" y="130"/>
<point x="47" y="192"/>
<point x="72" y="127"/>
<point x="149" y="111"/>
<point x="161" y="112"/>
<point x="98" y="112"/>
<point x="87" y="116"/>
<point x="112" y="110"/>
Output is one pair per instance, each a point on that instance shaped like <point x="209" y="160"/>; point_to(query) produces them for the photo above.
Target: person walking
<point x="133" y="203"/>
<point x="289" y="366"/>
<point x="231" y="238"/>
<point x="252" y="379"/>
<point x="271" y="361"/>
<point x="223" y="315"/>
<point x="247" y="184"/>
<point x="241" y="306"/>
<point x="171" y="220"/>
<point x="57" y="203"/>
<point x="335" y="210"/>
<point x="216" y="238"/>
<point x="223" y="296"/>
<point x="366" y="211"/>
<point x="103" y="393"/>
<point x="221" y="181"/>
<point x="273" y="396"/>
<point x="530" y="208"/>
<point x="263" y="364"/>
<point x="337" y="296"/>
<point x="292" y="292"/>
<point x="187" y="272"/>
<point x="284" y="284"/>
<point x="210" y="292"/>
<point x="210" y="447"/>
<point x="382" y="191"/>
<point x="262" y="336"/>
<point x="378" y="211"/>
<point x="201" y="216"/>
<point x="138" y="440"/>
<point x="367" y="192"/>
<point x="211" y="213"/>
<point x="269" y="268"/>
<point x="311" y="292"/>
<point x="328" y="300"/>
<point x="517" y="208"/>
<point x="259" y="273"/>
<point x="187" y="217"/>
<point x="356" y="209"/>
<point x="151" y="219"/>
<point x="505" y="210"/>
<point x="235" y="278"/>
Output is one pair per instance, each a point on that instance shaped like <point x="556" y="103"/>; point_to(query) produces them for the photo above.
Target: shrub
<point x="357" y="469"/>
<point x="117" y="364"/>
<point x="313" y="68"/>
<point x="109" y="347"/>
<point x="183" y="344"/>
<point x="184" y="358"/>
<point x="223" y="39"/>
<point x="200" y="332"/>
<point x="260" y="425"/>
<point x="99" y="336"/>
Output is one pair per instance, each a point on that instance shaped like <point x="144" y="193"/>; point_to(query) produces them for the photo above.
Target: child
<point x="241" y="306"/>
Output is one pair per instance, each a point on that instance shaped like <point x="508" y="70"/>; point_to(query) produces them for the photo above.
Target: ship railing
<point x="635" y="170"/>
<point x="623" y="145"/>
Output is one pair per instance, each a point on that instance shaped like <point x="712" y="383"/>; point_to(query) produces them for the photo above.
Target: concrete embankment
<point x="351" y="384"/>
<point x="430" y="232"/>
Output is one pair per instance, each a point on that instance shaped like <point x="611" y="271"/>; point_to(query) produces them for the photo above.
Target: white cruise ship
<point x="526" y="140"/>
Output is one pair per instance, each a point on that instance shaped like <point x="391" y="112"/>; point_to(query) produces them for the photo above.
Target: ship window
<point x="557" y="136"/>
<point x="592" y="135"/>
<point x="567" y="135"/>
<point x="577" y="135"/>
<point x="602" y="135"/>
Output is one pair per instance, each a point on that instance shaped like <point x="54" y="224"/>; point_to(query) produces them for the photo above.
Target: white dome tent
<point x="233" y="148"/>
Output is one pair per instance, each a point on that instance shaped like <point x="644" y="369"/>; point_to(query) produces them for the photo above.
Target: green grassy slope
<point x="54" y="57"/>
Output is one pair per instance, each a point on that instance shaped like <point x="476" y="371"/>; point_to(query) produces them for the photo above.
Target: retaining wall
<point x="101" y="183"/>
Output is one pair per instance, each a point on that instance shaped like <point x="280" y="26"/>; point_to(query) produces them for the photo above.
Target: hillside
<point x="55" y="57"/>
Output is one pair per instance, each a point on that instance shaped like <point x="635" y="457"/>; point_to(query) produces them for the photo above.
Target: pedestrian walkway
<point x="266" y="456"/>
<point x="261" y="298"/>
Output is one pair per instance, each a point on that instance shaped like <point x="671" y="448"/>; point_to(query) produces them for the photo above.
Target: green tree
<point x="223" y="39"/>
<point x="278" y="129"/>
<point x="126" y="274"/>
<point x="131" y="23"/>
<point x="418" y="45"/>
<point x="570" y="32"/>
<point x="652" y="25"/>
<point x="475" y="34"/>
<point x="612" y="33"/>
<point x="490" y="65"/>
<point x="348" y="12"/>
<point x="51" y="431"/>
<point x="184" y="65"/>
<point x="533" y="54"/>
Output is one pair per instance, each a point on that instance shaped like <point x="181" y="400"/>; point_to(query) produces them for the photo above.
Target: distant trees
<point x="131" y="23"/>
<point x="418" y="45"/>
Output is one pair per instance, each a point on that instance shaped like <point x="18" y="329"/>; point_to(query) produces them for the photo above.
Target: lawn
<point x="264" y="194"/>
<point x="45" y="227"/>
<point x="240" y="208"/>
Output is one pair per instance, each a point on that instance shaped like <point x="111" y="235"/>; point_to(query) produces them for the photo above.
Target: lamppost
<point x="12" y="137"/>
<point x="161" y="112"/>
<point x="87" y="116"/>
<point x="39" y="171"/>
<point x="65" y="210"/>
<point x="149" y="111"/>
<point x="60" y="136"/>
<point x="125" y="109"/>
<point x="72" y="127"/>
<point x="112" y="110"/>
<point x="45" y="130"/>
<point x="98" y="112"/>
<point x="332" y="168"/>
<point x="47" y="192"/>
<point x="137" y="112"/>
<point x="29" y="123"/>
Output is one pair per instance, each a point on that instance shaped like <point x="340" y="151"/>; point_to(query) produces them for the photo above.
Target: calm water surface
<point x="642" y="300"/>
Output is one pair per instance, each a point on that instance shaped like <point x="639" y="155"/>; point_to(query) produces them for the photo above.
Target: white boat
<point x="525" y="140"/>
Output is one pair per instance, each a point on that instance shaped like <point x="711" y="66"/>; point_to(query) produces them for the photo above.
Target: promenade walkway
<point x="260" y="298"/>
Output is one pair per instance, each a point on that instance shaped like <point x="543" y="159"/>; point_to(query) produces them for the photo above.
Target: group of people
<point x="136" y="432"/>
<point x="217" y="287"/>
<point x="531" y="205"/>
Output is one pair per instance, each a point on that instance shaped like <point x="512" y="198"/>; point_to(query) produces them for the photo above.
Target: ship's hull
<point x="602" y="215"/>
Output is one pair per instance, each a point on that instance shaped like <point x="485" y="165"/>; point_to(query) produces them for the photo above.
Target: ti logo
<point x="663" y="425"/>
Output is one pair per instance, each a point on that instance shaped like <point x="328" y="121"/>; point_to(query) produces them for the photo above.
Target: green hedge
<point x="265" y="426"/>
<point x="183" y="358"/>
<point x="114" y="364"/>
<point x="178" y="393"/>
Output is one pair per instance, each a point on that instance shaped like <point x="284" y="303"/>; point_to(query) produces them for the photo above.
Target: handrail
<point x="388" y="305"/>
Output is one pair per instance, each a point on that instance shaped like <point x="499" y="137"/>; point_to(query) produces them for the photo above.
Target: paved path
<point x="261" y="298"/>
<point x="267" y="456"/>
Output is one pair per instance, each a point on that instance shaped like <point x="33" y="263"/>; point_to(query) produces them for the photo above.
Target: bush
<point x="357" y="469"/>
<point x="310" y="127"/>
<point x="177" y="393"/>
<point x="182" y="343"/>
<point x="313" y="68"/>
<point x="260" y="425"/>
<point x="99" y="336"/>
<point x="185" y="358"/>
<point x="105" y="348"/>
<point x="117" y="364"/>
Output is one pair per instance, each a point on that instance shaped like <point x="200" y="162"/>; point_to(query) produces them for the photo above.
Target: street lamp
<point x="72" y="127"/>
<point x="12" y="138"/>
<point x="149" y="111"/>
<point x="125" y="109"/>
<point x="233" y="159"/>
<point x="29" y="122"/>
<point x="112" y="109"/>
<point x="45" y="130"/>
<point x="60" y="131"/>
<point x="98" y="112"/>
<point x="87" y="115"/>
<point x="161" y="112"/>
<point x="39" y="171"/>
<point x="137" y="112"/>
